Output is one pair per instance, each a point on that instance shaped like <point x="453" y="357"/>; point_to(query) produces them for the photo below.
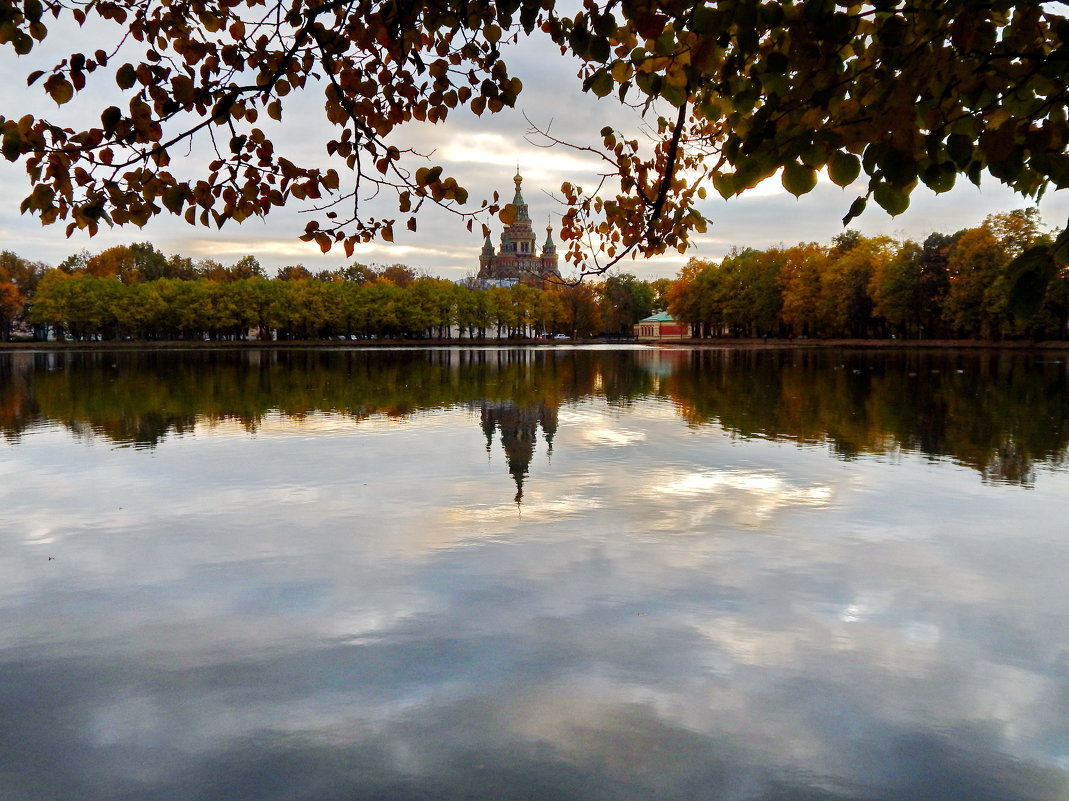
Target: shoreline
<point x="703" y="344"/>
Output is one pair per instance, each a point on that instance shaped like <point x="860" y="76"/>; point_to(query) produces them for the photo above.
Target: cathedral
<point x="518" y="257"/>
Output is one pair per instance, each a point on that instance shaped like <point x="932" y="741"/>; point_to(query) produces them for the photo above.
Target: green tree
<point x="625" y="301"/>
<point x="139" y="310"/>
<point x="660" y="287"/>
<point x="750" y="297"/>
<point x="896" y="291"/>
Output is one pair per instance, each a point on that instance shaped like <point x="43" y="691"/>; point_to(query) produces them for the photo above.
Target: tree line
<point x="950" y="286"/>
<point x="134" y="292"/>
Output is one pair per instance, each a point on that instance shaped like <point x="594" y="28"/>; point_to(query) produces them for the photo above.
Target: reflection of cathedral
<point x="519" y="430"/>
<point x="518" y="256"/>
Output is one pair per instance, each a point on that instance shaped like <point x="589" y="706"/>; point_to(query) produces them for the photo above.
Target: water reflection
<point x="305" y="579"/>
<point x="518" y="427"/>
<point x="1001" y="414"/>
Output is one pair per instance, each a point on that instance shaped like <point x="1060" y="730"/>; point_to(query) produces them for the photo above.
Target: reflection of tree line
<point x="139" y="397"/>
<point x="997" y="413"/>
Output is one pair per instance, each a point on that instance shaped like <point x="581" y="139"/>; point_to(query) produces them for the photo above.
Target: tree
<point x="902" y="93"/>
<point x="625" y="301"/>
<point x="18" y="282"/>
<point x="10" y="306"/>
<point x="801" y="278"/>
<point x="896" y="291"/>
<point x="580" y="315"/>
<point x="751" y="298"/>
<point x="974" y="264"/>
<point x="683" y="301"/>
<point x="140" y="261"/>
<point x="294" y="272"/>
<point x="845" y="283"/>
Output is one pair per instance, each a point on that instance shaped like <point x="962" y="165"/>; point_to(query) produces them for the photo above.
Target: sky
<point x="483" y="153"/>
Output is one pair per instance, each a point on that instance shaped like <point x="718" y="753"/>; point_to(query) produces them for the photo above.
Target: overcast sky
<point x="483" y="154"/>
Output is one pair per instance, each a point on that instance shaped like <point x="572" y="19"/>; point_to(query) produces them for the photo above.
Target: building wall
<point x="662" y="330"/>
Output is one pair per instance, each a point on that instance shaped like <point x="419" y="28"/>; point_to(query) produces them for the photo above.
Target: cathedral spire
<point x="517" y="200"/>
<point x="550" y="248"/>
<point x="518" y="256"/>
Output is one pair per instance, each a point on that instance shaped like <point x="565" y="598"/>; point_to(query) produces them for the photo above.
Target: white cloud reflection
<point x="749" y="499"/>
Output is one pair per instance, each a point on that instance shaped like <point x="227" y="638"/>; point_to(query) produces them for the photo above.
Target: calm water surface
<point x="513" y="574"/>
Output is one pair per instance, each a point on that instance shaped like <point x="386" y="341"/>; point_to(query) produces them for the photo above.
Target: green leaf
<point x="12" y="147"/>
<point x="798" y="179"/>
<point x="960" y="149"/>
<point x="891" y="199"/>
<point x="60" y="90"/>
<point x="675" y="95"/>
<point x="856" y="209"/>
<point x="601" y="83"/>
<point x="705" y="20"/>
<point x="843" y="168"/>
<point x="33" y="10"/>
<point x="599" y="49"/>
<point x="110" y="118"/>
<point x="899" y="168"/>
<point x="940" y="177"/>
<point x="724" y="183"/>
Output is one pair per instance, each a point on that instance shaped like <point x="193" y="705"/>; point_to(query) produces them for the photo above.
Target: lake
<point x="552" y="574"/>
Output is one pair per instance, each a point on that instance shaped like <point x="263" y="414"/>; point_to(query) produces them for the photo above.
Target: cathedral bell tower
<point x="518" y="256"/>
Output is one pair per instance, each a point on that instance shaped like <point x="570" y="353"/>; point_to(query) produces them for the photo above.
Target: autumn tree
<point x="974" y="264"/>
<point x="684" y="300"/>
<point x="580" y="314"/>
<point x="845" y="284"/>
<point x="294" y="272"/>
<point x="892" y="95"/>
<point x="801" y="279"/>
<point x="10" y="304"/>
<point x="18" y="282"/>
<point x="896" y="291"/>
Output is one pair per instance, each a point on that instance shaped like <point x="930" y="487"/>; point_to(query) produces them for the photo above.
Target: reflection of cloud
<point x="750" y="498"/>
<point x="612" y="437"/>
<point x="597" y="429"/>
<point x="535" y="510"/>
